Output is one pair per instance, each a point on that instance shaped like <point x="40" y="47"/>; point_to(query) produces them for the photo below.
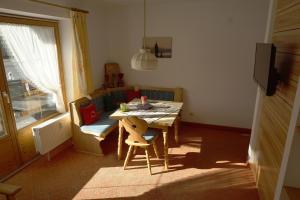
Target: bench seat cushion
<point x="151" y="134"/>
<point x="99" y="127"/>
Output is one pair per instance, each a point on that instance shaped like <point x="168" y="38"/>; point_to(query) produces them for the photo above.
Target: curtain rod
<point x="60" y="6"/>
<point x="13" y="15"/>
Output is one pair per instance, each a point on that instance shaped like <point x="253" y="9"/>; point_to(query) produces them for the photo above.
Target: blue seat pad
<point x="100" y="126"/>
<point x="151" y="134"/>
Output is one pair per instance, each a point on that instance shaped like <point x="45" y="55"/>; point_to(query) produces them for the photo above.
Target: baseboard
<point x="217" y="127"/>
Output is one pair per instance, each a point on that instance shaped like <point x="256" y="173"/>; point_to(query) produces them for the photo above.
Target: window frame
<point x="45" y="23"/>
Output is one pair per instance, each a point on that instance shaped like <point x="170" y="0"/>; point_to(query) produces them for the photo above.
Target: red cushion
<point x="131" y="94"/>
<point x="89" y="114"/>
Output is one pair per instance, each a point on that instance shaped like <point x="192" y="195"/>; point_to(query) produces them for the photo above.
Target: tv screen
<point x="264" y="69"/>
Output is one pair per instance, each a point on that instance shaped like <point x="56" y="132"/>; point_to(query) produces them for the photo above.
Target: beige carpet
<point x="209" y="164"/>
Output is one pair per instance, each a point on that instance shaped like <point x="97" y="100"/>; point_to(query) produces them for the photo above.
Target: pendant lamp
<point x="144" y="60"/>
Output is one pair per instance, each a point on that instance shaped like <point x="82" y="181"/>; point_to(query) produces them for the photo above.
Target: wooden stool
<point x="9" y="190"/>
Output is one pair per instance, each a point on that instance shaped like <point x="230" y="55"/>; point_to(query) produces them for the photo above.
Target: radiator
<point x="52" y="133"/>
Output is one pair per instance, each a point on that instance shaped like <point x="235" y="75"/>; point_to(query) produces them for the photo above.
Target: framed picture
<point x="161" y="47"/>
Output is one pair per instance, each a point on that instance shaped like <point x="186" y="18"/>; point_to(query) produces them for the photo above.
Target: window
<point x="31" y="62"/>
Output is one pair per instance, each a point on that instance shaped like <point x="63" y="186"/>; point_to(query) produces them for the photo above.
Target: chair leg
<point x="128" y="155"/>
<point x="148" y="160"/>
<point x="155" y="149"/>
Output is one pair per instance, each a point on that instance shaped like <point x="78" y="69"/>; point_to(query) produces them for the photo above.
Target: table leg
<point x="120" y="141"/>
<point x="176" y="129"/>
<point x="166" y="147"/>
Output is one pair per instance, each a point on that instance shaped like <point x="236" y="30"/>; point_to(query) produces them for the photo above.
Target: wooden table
<point x="162" y="116"/>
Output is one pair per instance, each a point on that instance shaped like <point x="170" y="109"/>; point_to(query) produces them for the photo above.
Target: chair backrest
<point x="136" y="128"/>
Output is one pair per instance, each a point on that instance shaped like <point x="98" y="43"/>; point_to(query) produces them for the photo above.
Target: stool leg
<point x="155" y="149"/>
<point x="128" y="155"/>
<point x="148" y="160"/>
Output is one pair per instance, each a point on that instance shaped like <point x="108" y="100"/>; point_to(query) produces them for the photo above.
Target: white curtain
<point x="34" y="49"/>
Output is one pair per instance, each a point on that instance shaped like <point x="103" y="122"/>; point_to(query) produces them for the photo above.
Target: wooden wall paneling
<point x="289" y="68"/>
<point x="288" y="41"/>
<point x="288" y="65"/>
<point x="276" y="110"/>
<point x="279" y="110"/>
<point x="287" y="91"/>
<point x="273" y="137"/>
<point x="288" y="19"/>
<point x="267" y="171"/>
<point x="273" y="127"/>
<point x="269" y="162"/>
<point x="285" y="4"/>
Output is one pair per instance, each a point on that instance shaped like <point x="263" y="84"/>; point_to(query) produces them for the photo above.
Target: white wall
<point x="213" y="52"/>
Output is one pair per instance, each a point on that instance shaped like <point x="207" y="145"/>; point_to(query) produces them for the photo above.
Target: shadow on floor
<point x="205" y="149"/>
<point x="225" y="184"/>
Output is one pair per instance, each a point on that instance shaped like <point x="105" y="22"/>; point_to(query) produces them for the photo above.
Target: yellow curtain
<point x="82" y="75"/>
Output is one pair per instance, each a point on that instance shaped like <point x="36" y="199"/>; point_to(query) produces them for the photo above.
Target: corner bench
<point x="87" y="138"/>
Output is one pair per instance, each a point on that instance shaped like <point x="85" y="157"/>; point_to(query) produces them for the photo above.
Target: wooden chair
<point x="139" y="136"/>
<point x="9" y="190"/>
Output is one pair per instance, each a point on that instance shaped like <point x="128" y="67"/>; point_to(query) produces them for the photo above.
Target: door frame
<point x="8" y="117"/>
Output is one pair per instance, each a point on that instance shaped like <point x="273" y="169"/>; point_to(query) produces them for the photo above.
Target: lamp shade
<point x="144" y="61"/>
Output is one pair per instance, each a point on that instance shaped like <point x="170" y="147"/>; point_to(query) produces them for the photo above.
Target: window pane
<point x="30" y="103"/>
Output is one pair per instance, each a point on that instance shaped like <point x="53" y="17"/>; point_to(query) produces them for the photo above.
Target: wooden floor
<point x="209" y="164"/>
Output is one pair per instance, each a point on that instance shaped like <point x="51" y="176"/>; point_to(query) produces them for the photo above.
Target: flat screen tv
<point x="265" y="73"/>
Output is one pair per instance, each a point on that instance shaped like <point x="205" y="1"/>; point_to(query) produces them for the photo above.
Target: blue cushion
<point x="150" y="134"/>
<point x="100" y="126"/>
<point x="158" y="95"/>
